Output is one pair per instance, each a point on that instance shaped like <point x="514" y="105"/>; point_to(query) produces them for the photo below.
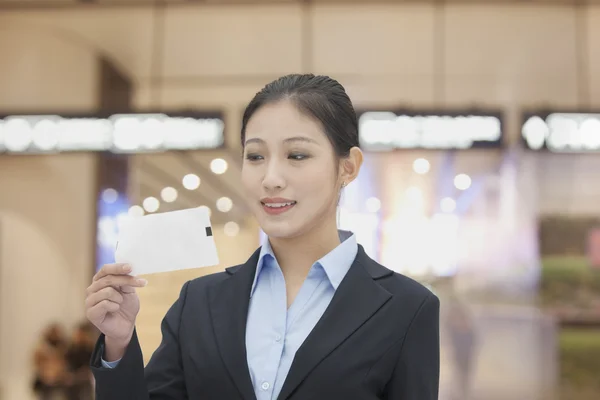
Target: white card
<point x="168" y="241"/>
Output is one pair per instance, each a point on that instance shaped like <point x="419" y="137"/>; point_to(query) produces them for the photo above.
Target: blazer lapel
<point x="357" y="298"/>
<point x="229" y="301"/>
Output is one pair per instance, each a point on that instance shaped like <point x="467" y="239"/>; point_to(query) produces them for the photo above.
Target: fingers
<point x="99" y="311"/>
<point x="108" y="293"/>
<point x="112" y="269"/>
<point x="115" y="281"/>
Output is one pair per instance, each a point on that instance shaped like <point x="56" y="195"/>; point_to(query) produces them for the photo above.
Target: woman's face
<point x="290" y="171"/>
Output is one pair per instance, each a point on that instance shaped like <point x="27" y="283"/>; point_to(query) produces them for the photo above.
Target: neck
<point x="297" y="255"/>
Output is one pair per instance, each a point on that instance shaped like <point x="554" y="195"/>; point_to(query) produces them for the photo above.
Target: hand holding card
<point x="167" y="242"/>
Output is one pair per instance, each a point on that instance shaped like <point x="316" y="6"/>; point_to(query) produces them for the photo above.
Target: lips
<point x="276" y="206"/>
<point x="279" y="205"/>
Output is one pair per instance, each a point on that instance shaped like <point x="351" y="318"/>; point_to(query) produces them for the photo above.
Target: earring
<point x="343" y="184"/>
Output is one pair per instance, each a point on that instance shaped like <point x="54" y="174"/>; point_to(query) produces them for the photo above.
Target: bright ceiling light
<point x="110" y="196"/>
<point x="169" y="194"/>
<point x="136" y="211"/>
<point x="448" y="205"/>
<point x="373" y="204"/>
<point x="218" y="166"/>
<point x="224" y="204"/>
<point x="414" y="194"/>
<point x="462" y="181"/>
<point x="151" y="204"/>
<point x="421" y="166"/>
<point x="231" y="229"/>
<point x="191" y="181"/>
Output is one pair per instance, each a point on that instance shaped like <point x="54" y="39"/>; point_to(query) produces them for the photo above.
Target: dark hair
<point x="320" y="97"/>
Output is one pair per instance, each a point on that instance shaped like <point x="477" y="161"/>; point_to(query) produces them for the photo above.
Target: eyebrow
<point x="287" y="140"/>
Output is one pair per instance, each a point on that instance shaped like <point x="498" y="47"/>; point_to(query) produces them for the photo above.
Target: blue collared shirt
<point x="273" y="332"/>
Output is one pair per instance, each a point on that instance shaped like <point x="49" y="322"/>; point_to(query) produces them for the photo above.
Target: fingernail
<point x="142" y="282"/>
<point x="126" y="268"/>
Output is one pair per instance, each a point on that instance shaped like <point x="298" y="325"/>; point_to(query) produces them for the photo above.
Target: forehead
<point x="278" y="121"/>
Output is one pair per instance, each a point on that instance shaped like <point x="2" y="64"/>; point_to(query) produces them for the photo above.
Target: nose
<point x="274" y="177"/>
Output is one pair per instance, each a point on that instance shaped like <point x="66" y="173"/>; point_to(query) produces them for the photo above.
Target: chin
<point x="280" y="231"/>
<point x="285" y="228"/>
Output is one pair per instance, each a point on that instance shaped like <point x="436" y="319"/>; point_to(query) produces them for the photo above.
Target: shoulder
<point x="402" y="285"/>
<point x="407" y="293"/>
<point x="412" y="304"/>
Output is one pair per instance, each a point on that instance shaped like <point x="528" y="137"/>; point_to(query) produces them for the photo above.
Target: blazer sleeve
<point x="162" y="379"/>
<point x="417" y="372"/>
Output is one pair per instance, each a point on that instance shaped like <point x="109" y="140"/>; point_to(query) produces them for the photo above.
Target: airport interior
<point x="479" y="121"/>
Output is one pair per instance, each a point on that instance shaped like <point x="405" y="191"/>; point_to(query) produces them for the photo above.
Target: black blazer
<point x="378" y="339"/>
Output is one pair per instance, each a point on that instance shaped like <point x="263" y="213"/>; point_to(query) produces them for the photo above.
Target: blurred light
<point x="218" y="166"/>
<point x="109" y="196"/>
<point x="151" y="204"/>
<point x="373" y="204"/>
<point x="17" y="135"/>
<point x="118" y="132"/>
<point x="414" y="195"/>
<point x="107" y="232"/>
<point x="444" y="239"/>
<point x="535" y="131"/>
<point x="122" y="219"/>
<point x="224" y="204"/>
<point x="462" y="181"/>
<point x="448" y="205"/>
<point x="169" y="194"/>
<point x="231" y="229"/>
<point x="136" y="211"/>
<point x="590" y="134"/>
<point x="563" y="132"/>
<point x="152" y="137"/>
<point x="386" y="130"/>
<point x="364" y="225"/>
<point x="127" y="134"/>
<point x="191" y="182"/>
<point x="208" y="210"/>
<point x="421" y="166"/>
<point x="46" y="135"/>
<point x="421" y="246"/>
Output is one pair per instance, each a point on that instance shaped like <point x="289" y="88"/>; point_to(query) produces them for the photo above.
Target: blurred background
<point x="480" y="120"/>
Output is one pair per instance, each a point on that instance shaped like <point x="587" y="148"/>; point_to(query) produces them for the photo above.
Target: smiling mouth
<point x="278" y="205"/>
<point x="277" y="208"/>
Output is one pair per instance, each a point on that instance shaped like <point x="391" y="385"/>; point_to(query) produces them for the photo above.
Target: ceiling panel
<point x="190" y="48"/>
<point x="344" y="32"/>
<point x="25" y="3"/>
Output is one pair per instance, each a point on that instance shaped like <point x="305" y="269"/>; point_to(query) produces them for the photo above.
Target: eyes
<point x="294" y="156"/>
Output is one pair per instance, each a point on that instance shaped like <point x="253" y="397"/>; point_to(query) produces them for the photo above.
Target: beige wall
<point x="42" y="72"/>
<point x="46" y="254"/>
<point x="47" y="203"/>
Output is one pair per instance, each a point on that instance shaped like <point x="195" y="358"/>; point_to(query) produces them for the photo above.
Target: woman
<point x="309" y="315"/>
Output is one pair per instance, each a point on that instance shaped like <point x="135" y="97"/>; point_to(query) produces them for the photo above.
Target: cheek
<point x="248" y="178"/>
<point x="317" y="182"/>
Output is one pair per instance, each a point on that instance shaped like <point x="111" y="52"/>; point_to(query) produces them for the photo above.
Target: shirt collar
<point x="336" y="263"/>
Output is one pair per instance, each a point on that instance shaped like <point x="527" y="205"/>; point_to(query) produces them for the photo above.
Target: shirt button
<point x="265" y="386"/>
<point x="278" y="338"/>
